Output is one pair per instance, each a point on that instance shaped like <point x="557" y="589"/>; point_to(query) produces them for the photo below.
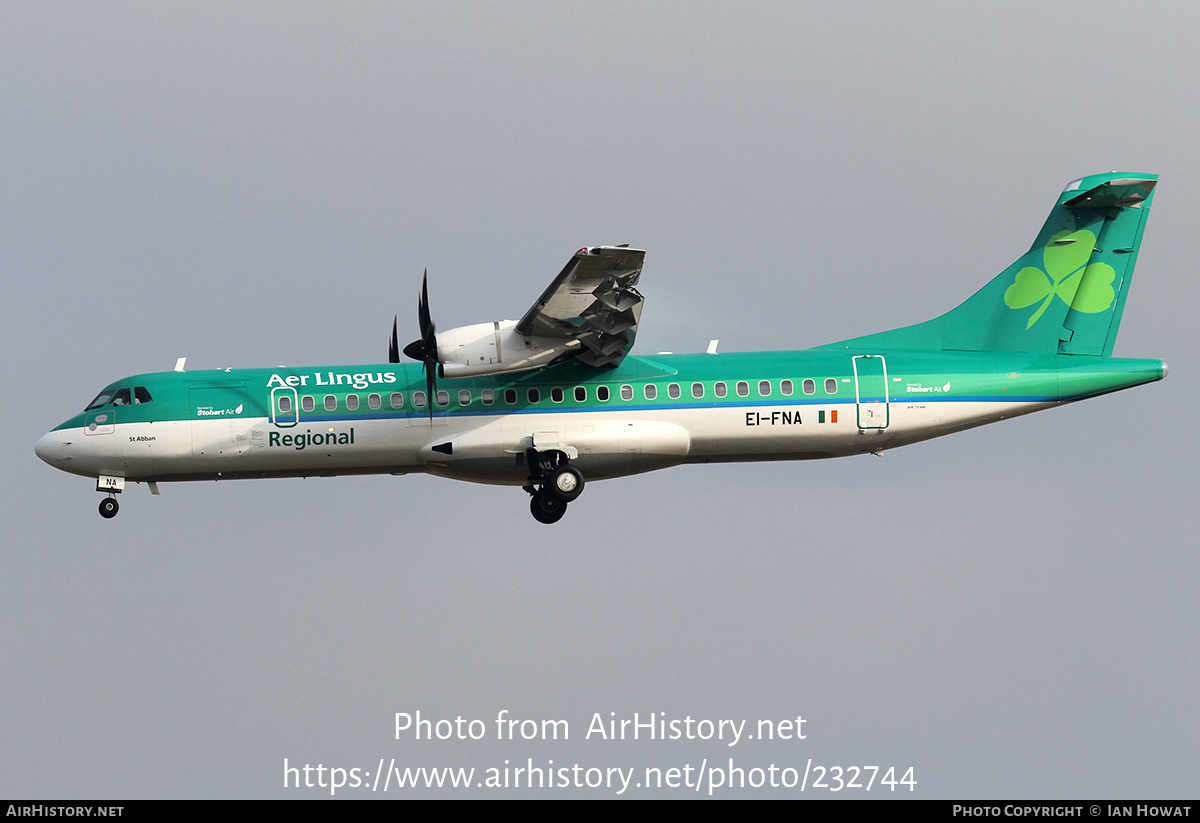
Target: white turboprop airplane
<point x="554" y="399"/>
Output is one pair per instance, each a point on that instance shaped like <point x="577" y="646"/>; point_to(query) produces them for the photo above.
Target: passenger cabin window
<point x="443" y="398"/>
<point x="627" y="392"/>
<point x="330" y="403"/>
<point x="785" y="386"/>
<point x="488" y="396"/>
<point x="556" y="394"/>
<point x="510" y="396"/>
<point x="285" y="404"/>
<point x="534" y="395"/>
<point x="697" y="390"/>
<point x="602" y="394"/>
<point x="307" y="403"/>
<point x="651" y="391"/>
<point x="352" y="402"/>
<point x="580" y="394"/>
<point x="464" y="397"/>
<point x="743" y="388"/>
<point x="140" y="395"/>
<point x="830" y="385"/>
<point x="720" y="390"/>
<point x="764" y="388"/>
<point x="398" y="400"/>
<point x="809" y="385"/>
<point x="418" y="399"/>
<point x="673" y="391"/>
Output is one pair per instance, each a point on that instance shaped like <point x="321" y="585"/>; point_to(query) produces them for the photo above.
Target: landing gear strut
<point x="109" y="507"/>
<point x="553" y="483"/>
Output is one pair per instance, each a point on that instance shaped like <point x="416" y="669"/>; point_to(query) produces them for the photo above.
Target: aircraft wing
<point x="593" y="301"/>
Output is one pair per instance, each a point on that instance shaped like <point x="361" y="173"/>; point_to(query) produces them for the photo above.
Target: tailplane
<point x="1065" y="295"/>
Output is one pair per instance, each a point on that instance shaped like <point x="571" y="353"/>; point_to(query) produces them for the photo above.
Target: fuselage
<point x="554" y="400"/>
<point x="645" y="414"/>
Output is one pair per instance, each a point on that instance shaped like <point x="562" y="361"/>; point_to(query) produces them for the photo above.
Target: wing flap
<point x="593" y="300"/>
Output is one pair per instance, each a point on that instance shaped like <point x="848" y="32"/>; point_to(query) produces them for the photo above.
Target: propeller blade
<point x="423" y="318"/>
<point x="425" y="349"/>
<point x="431" y="385"/>
<point x="394" y="344"/>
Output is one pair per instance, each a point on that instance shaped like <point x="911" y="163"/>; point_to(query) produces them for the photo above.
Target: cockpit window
<point x="120" y="397"/>
<point x="102" y="399"/>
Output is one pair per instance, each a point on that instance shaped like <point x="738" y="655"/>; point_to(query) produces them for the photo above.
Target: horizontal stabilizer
<point x="1126" y="191"/>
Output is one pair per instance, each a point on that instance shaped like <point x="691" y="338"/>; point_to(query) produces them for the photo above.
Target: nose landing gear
<point x="112" y="485"/>
<point x="553" y="483"/>
<point x="109" y="507"/>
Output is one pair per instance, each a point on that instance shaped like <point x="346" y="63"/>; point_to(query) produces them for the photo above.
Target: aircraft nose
<point x="51" y="448"/>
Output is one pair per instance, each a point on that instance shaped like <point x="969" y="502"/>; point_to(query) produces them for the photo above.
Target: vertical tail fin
<point x="1065" y="295"/>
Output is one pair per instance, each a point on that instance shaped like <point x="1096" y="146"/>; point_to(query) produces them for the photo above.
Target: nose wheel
<point x="109" y="508"/>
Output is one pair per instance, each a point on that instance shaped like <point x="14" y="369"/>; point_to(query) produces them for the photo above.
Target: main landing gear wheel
<point x="109" y="507"/>
<point x="547" y="507"/>
<point x="552" y="484"/>
<point x="566" y="483"/>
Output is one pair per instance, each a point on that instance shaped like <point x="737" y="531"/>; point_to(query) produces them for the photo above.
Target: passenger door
<point x="871" y="391"/>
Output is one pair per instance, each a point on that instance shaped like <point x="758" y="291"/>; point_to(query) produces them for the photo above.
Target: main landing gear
<point x="553" y="483"/>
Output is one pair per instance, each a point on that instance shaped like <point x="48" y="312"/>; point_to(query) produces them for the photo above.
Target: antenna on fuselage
<point x="179" y="363"/>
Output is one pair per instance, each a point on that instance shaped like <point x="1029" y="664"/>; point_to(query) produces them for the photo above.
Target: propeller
<point x="393" y="344"/>
<point x="425" y="349"/>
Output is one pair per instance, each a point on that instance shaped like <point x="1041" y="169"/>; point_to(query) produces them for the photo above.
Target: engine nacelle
<point x="495" y="348"/>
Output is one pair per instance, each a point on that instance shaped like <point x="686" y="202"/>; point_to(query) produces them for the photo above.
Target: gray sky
<point x="1009" y="611"/>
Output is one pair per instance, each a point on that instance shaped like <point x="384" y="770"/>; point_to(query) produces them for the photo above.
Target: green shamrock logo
<point x="1065" y="268"/>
